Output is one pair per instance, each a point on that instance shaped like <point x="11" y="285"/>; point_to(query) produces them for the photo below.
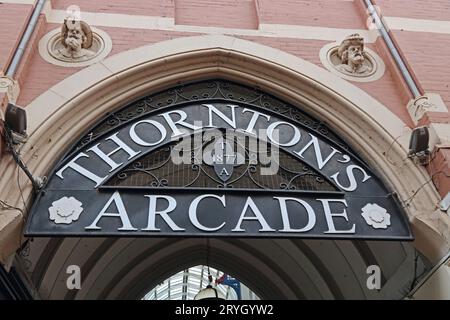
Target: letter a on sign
<point x="374" y="280"/>
<point x="74" y="280"/>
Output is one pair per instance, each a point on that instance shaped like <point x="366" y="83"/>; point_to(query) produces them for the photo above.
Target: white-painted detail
<point x="418" y="25"/>
<point x="118" y="20"/>
<point x="376" y="216"/>
<point x="65" y="210"/>
<point x="121" y="214"/>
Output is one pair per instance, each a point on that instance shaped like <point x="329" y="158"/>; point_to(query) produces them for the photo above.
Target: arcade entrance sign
<point x="215" y="159"/>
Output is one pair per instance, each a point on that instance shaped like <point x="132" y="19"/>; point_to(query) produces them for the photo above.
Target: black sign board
<point x="216" y="166"/>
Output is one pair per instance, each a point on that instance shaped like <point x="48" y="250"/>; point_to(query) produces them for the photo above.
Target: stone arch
<point x="273" y="269"/>
<point x="65" y="111"/>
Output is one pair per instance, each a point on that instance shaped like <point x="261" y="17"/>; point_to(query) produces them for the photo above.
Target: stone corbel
<point x="2" y="115"/>
<point x="9" y="92"/>
<point x="439" y="145"/>
<point x="439" y="135"/>
<point x="429" y="102"/>
<point x="10" y="87"/>
<point x="439" y="131"/>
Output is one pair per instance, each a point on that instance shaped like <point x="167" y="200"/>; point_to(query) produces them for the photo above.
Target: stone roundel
<point x="373" y="63"/>
<point x="51" y="43"/>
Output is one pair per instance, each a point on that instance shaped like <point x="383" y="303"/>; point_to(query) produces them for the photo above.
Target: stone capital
<point x="429" y="102"/>
<point x="2" y="114"/>
<point x="10" y="87"/>
<point x="439" y="135"/>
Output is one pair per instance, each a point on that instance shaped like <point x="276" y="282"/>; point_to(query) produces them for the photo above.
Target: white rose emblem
<point x="376" y="216"/>
<point x="65" y="210"/>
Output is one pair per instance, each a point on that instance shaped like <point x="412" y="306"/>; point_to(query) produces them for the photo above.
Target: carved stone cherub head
<point x="76" y="37"/>
<point x="352" y="55"/>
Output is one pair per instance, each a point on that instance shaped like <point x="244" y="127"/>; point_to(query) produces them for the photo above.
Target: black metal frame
<point x="11" y="286"/>
<point x="212" y="91"/>
<point x="305" y="179"/>
<point x="174" y="98"/>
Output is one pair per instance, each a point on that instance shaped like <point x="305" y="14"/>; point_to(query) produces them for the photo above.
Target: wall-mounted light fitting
<point x="16" y="123"/>
<point x="418" y="145"/>
<point x="445" y="203"/>
<point x="16" y="133"/>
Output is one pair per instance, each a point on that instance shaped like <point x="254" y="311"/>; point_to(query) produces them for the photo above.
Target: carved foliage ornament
<point x="65" y="210"/>
<point x="376" y="216"/>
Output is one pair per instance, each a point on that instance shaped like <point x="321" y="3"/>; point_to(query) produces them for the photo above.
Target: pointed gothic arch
<point x="63" y="113"/>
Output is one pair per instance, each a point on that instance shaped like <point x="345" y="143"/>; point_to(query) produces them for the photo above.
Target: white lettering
<point x="151" y="226"/>
<point x="251" y="125"/>
<point x="320" y="161"/>
<point x="193" y="212"/>
<point x="122" y="214"/>
<point x="258" y="216"/>
<point x="212" y="109"/>
<point x="285" y="215"/>
<point x="75" y="166"/>
<point x="172" y="124"/>
<point x="329" y="215"/>
<point x="374" y="278"/>
<point x="294" y="140"/>
<point x="224" y="172"/>
<point x="74" y="280"/>
<point x="351" y="177"/>
<point x="107" y="157"/>
<point x="139" y="141"/>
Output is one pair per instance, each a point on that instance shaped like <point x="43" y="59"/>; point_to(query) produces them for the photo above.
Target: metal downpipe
<point x="18" y="54"/>
<point x="393" y="50"/>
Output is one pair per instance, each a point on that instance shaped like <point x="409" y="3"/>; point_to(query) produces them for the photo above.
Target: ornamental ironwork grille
<point x="157" y="171"/>
<point x="208" y="91"/>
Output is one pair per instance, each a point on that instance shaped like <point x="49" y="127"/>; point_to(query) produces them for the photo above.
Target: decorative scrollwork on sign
<point x="207" y="91"/>
<point x="217" y="163"/>
<point x="213" y="154"/>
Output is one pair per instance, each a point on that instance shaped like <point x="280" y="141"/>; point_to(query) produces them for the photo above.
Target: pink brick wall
<point x="324" y="13"/>
<point x="43" y="75"/>
<point x="428" y="54"/>
<point x="217" y="13"/>
<point x="434" y="117"/>
<point x="30" y="51"/>
<point x="423" y="9"/>
<point x="385" y="90"/>
<point x="125" y="39"/>
<point x="3" y="103"/>
<point x="399" y="84"/>
<point x="440" y="170"/>
<point x="13" y="19"/>
<point x="233" y="13"/>
<point x="164" y="8"/>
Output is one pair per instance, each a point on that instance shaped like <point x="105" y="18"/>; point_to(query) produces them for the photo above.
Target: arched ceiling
<point x="127" y="268"/>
